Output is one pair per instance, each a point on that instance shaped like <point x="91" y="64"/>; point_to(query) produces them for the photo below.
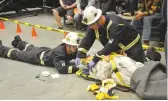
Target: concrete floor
<point x="17" y="79"/>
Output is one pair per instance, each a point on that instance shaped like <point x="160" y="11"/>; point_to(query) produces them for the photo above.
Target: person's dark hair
<point x="83" y="4"/>
<point x="152" y="54"/>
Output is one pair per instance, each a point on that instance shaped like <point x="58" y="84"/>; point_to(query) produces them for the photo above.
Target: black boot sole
<point x="17" y="38"/>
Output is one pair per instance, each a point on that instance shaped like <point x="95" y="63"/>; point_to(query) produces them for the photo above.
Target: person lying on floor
<point x="110" y="66"/>
<point x="58" y="56"/>
<point x="117" y="66"/>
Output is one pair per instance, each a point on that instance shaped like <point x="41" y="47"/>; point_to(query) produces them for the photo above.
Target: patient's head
<point x="152" y="54"/>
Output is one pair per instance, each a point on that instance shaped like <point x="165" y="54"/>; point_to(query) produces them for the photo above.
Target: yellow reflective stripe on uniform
<point x="97" y="34"/>
<point x="100" y="56"/>
<point x="69" y="69"/>
<point x="133" y="42"/>
<point x="121" y="24"/>
<point x="124" y="48"/>
<point x="9" y="52"/>
<point x="121" y="46"/>
<point x="146" y="47"/>
<point x="108" y="26"/>
<point x="41" y="57"/>
<point x="118" y="75"/>
<point x="26" y="47"/>
<point x="83" y="50"/>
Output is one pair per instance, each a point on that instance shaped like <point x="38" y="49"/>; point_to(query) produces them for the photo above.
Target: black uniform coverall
<point x="119" y="32"/>
<point x="52" y="57"/>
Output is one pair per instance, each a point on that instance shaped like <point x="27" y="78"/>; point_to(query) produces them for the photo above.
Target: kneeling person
<point x="58" y="57"/>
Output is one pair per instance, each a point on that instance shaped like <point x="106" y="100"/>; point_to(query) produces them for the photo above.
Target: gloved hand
<point x="91" y="65"/>
<point x="77" y="61"/>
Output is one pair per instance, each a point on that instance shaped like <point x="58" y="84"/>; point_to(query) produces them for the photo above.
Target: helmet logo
<point x="67" y="39"/>
<point x="95" y="14"/>
<point x="85" y="20"/>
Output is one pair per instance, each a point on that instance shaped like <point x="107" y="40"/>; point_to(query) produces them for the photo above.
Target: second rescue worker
<point x="113" y="32"/>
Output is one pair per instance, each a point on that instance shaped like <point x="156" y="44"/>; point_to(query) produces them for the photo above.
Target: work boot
<point x="16" y="40"/>
<point x="59" y="27"/>
<point x="152" y="54"/>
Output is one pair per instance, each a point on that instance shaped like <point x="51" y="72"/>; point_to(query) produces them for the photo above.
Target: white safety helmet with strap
<point x="91" y="15"/>
<point x="71" y="39"/>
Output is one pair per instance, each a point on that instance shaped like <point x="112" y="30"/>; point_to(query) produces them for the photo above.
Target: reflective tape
<point x="9" y="52"/>
<point x="124" y="48"/>
<point x="27" y="23"/>
<point x="83" y="50"/>
<point x="49" y="28"/>
<point x="100" y="56"/>
<point x="38" y="26"/>
<point x="16" y="21"/>
<point x="26" y="47"/>
<point x="97" y="34"/>
<point x="69" y="69"/>
<point x="108" y="26"/>
<point x="41" y="57"/>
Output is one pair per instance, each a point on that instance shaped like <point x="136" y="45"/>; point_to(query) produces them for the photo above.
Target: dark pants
<point x="136" y="52"/>
<point x="165" y="46"/>
<point x="62" y="12"/>
<point x="131" y="6"/>
<point x="163" y="29"/>
<point x="78" y="21"/>
<point x="106" y="5"/>
<point x="147" y="25"/>
<point x="30" y="55"/>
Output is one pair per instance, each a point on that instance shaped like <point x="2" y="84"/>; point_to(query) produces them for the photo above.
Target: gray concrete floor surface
<point x="17" y="79"/>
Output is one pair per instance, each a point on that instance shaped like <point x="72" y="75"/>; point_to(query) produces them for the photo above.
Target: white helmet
<point x="91" y="15"/>
<point x="71" y="39"/>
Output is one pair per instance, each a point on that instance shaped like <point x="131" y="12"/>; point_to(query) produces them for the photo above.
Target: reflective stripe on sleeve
<point x="97" y="34"/>
<point x="26" y="47"/>
<point x="9" y="52"/>
<point x="108" y="26"/>
<point x="41" y="57"/>
<point x="100" y="56"/>
<point x="69" y="69"/>
<point x="83" y="50"/>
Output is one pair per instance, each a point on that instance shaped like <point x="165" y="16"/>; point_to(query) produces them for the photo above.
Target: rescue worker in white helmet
<point x="113" y="32"/>
<point x="59" y="57"/>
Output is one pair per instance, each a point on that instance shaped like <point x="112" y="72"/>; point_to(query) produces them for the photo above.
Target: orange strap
<point x="76" y="10"/>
